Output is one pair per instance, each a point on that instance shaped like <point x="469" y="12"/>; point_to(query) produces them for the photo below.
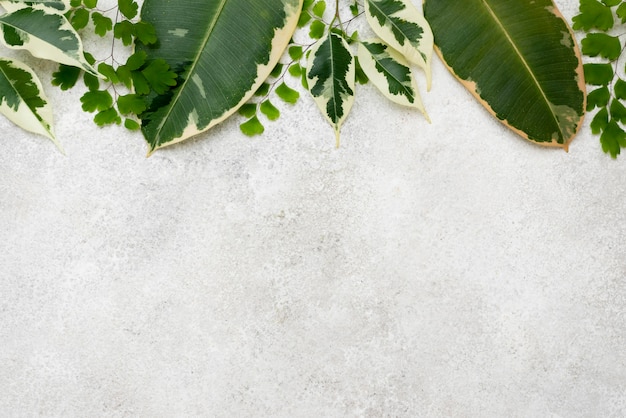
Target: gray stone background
<point x="442" y="270"/>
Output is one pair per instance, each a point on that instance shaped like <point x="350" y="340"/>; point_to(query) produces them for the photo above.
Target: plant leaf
<point x="331" y="78"/>
<point x="23" y="101"/>
<point x="44" y="34"/>
<point x="205" y="46"/>
<point x="404" y="28"/>
<point x="59" y="6"/>
<point x="528" y="75"/>
<point x="390" y="73"/>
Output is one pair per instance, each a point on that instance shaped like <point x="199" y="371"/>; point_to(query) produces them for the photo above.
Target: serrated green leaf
<point x="317" y="29"/>
<point x="354" y="8"/>
<point x="617" y="111"/>
<point x="252" y="127"/>
<point x="247" y="110"/>
<point x="108" y="72"/>
<point x="612" y="139"/>
<point x="128" y="8"/>
<point x="131" y="104"/>
<point x="295" y="52"/>
<point x="124" y="76"/>
<point x="286" y="93"/>
<point x="107" y="117"/>
<point x="519" y="59"/>
<point x="619" y="89"/>
<point x="331" y="79"/>
<point x="91" y="81"/>
<point x="269" y="110"/>
<point x="593" y="14"/>
<point x="65" y="77"/>
<point x="600" y="121"/>
<point x="598" y="98"/>
<point x="402" y="26"/>
<point x="390" y="73"/>
<point x="611" y="3"/>
<point x="131" y="125"/>
<point x="80" y="18"/>
<point x="125" y="31"/>
<point x="136" y="60"/>
<point x="621" y="12"/>
<point x="23" y="101"/>
<point x="295" y="70"/>
<point x="96" y="100"/>
<point x="102" y="24"/>
<point x="140" y="84"/>
<point x="606" y="46"/>
<point x="44" y="34"/>
<point x="159" y="76"/>
<point x="92" y="4"/>
<point x="598" y="74"/>
<point x="319" y="8"/>
<point x="145" y="33"/>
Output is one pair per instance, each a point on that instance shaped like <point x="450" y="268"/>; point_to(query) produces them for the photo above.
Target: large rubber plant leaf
<point x="222" y="51"/>
<point x="330" y="73"/>
<point x="45" y="34"/>
<point x="390" y="73"/>
<point x="22" y="99"/>
<point x="519" y="58"/>
<point x="403" y="27"/>
<point x="59" y="6"/>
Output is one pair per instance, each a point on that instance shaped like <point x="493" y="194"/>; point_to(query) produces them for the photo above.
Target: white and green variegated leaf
<point x="22" y="99"/>
<point x="400" y="24"/>
<point x="330" y="74"/>
<point x="221" y="50"/>
<point x="45" y="34"/>
<point x="390" y="73"/>
<point x="58" y="6"/>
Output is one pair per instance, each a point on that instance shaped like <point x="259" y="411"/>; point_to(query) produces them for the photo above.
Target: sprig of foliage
<point x="122" y="94"/>
<point x="604" y="44"/>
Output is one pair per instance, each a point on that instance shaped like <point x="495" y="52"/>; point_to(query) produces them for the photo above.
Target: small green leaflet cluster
<point x="329" y="69"/>
<point x="123" y="92"/>
<point x="40" y="28"/>
<point x="597" y="19"/>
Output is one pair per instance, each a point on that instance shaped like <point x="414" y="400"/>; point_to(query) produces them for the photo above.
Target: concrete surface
<point x="443" y="270"/>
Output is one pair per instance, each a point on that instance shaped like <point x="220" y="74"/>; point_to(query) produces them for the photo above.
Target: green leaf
<point x="606" y="46"/>
<point x="619" y="88"/>
<point x="277" y="71"/>
<point x="247" y="110"/>
<point x="107" y="117"/>
<point x="96" y="100"/>
<point x="618" y="111"/>
<point x="91" y="4"/>
<point x="269" y="110"/>
<point x="128" y="8"/>
<point x="125" y="31"/>
<point x="613" y="138"/>
<point x="58" y="6"/>
<point x="204" y="49"/>
<point x="611" y="3"/>
<point x="621" y="12"/>
<point x="593" y="14"/>
<point x="140" y="84"/>
<point x="390" y="73"/>
<point x="317" y="29"/>
<point x="404" y="28"/>
<point x="136" y="60"/>
<point x="145" y="32"/>
<point x="295" y="70"/>
<point x="80" y="19"/>
<point x="124" y="76"/>
<point x="66" y="77"/>
<point x="159" y="76"/>
<point x="600" y="121"/>
<point x="44" y="34"/>
<point x="102" y="24"/>
<point x="131" y="104"/>
<point x="527" y="75"/>
<point x="319" y="8"/>
<point x="263" y="90"/>
<point x="331" y="78"/>
<point x="287" y="94"/>
<point x="295" y="52"/>
<point x="131" y="125"/>
<point x="23" y="101"/>
<point x="108" y="71"/>
<point x="76" y="3"/>
<point x="91" y="81"/>
<point x="598" y="74"/>
<point x="252" y="127"/>
<point x="360" y="75"/>
<point x="598" y="98"/>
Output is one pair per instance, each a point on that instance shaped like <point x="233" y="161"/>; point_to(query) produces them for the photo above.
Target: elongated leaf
<point x="390" y="73"/>
<point x="403" y="27"/>
<point x="44" y="34"/>
<point x="59" y="6"/>
<point x="222" y="51"/>
<point x="330" y="77"/>
<point x="22" y="99"/>
<point x="519" y="58"/>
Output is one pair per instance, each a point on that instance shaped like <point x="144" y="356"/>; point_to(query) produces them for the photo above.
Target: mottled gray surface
<point x="443" y="270"/>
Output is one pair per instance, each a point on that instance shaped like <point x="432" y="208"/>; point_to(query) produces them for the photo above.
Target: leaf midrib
<point x="191" y="71"/>
<point x="525" y="63"/>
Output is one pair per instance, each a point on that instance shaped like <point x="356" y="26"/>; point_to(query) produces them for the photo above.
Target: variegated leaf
<point x="58" y="6"/>
<point x="330" y="77"/>
<point x="22" y="99"/>
<point x="44" y="34"/>
<point x="222" y="51"/>
<point x="400" y="24"/>
<point x="390" y="73"/>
